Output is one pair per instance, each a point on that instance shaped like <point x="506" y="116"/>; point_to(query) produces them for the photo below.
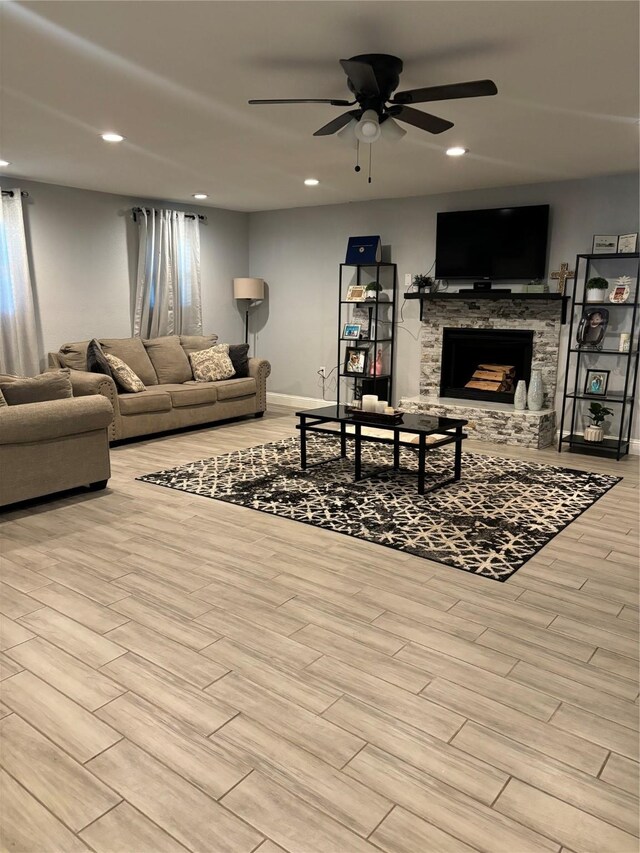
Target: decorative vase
<point x="520" y="396"/>
<point x="594" y="434"/>
<point x="596" y="294"/>
<point x="535" y="396"/>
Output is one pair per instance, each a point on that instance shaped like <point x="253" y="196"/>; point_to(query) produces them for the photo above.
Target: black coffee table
<point x="318" y="420"/>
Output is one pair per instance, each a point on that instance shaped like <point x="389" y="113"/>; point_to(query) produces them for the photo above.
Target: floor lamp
<point x="251" y="289"/>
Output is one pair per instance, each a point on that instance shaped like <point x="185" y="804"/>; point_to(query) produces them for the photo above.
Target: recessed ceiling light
<point x="200" y="195"/>
<point x="311" y="182"/>
<point x="4" y="163"/>
<point x="457" y="151"/>
<point x="112" y="137"/>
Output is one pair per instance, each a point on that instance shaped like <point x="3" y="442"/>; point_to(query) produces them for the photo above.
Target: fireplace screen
<point x="484" y="364"/>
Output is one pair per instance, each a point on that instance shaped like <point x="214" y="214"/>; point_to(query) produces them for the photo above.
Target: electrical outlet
<point x="408" y="279"/>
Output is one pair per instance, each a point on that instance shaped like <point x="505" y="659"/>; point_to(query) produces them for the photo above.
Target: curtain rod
<point x="23" y="193"/>
<point x="199" y="216"/>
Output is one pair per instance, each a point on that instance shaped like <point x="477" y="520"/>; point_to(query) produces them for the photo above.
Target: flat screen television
<point x="503" y="243"/>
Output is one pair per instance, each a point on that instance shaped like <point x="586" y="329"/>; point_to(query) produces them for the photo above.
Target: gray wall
<point x="83" y="255"/>
<point x="298" y="252"/>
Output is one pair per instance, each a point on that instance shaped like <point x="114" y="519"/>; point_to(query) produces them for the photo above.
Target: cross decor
<point x="562" y="275"/>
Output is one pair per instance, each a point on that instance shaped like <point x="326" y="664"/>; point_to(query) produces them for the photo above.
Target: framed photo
<point x="355" y="361"/>
<point x="592" y="327"/>
<point x="620" y="293"/>
<point x="605" y="244"/>
<point x="351" y="330"/>
<point x="596" y="382"/>
<point x="627" y="243"/>
<point x="356" y="293"/>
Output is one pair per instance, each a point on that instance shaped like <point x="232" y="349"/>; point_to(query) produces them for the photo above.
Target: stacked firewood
<point x="493" y="377"/>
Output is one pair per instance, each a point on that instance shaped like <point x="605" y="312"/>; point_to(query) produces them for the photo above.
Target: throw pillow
<point x="74" y="355"/>
<point x="169" y="360"/>
<point x="123" y="375"/>
<point x="238" y="353"/>
<point x="54" y="385"/>
<point x="195" y="343"/>
<point x="96" y="359"/>
<point x="210" y="365"/>
<point x="3" y="402"/>
<point x="133" y="353"/>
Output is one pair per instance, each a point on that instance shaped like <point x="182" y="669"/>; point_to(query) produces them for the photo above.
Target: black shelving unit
<point x="625" y="315"/>
<point x="381" y="325"/>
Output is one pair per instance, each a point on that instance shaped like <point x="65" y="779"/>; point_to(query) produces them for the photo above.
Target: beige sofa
<point x="171" y="399"/>
<point x="52" y="446"/>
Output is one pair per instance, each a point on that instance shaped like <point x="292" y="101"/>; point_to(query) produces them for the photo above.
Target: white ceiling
<point x="175" y="77"/>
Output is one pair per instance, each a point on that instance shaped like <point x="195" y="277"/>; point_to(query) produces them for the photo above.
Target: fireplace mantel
<point x="475" y="296"/>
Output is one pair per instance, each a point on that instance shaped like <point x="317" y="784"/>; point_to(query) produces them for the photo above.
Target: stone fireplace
<point x="459" y="335"/>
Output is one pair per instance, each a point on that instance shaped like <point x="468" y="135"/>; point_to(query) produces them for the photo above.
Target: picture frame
<point x="596" y="382"/>
<point x="592" y="327"/>
<point x="619" y="294"/>
<point x="356" y="293"/>
<point x="604" y="244"/>
<point x="355" y="361"/>
<point x="351" y="330"/>
<point x="627" y="243"/>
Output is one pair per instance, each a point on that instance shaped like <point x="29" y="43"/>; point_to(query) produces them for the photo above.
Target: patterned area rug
<point x="490" y="523"/>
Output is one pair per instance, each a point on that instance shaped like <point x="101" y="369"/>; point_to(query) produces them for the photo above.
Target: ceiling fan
<point x="373" y="79"/>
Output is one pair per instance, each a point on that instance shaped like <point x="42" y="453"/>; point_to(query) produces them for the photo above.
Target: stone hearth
<point x="489" y="421"/>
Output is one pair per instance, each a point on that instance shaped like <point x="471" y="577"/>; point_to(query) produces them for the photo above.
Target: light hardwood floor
<point x="183" y="674"/>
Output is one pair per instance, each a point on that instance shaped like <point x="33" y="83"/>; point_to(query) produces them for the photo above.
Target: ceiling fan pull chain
<point x="357" y="168"/>
<point x="369" y="178"/>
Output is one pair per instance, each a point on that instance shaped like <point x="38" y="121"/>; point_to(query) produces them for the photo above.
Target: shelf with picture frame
<point x="596" y="331"/>
<point x="366" y="322"/>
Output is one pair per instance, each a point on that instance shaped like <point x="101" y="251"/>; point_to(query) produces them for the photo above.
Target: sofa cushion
<point x="125" y="378"/>
<point x="169" y="360"/>
<point x="239" y="355"/>
<point x="229" y="389"/>
<point x="210" y="365"/>
<point x="195" y="343"/>
<point x="151" y="400"/>
<point x="54" y="385"/>
<point x="192" y="394"/>
<point x="74" y="355"/>
<point x="97" y="360"/>
<point x="133" y="353"/>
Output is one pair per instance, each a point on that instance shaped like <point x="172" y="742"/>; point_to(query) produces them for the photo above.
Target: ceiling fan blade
<point x="361" y="75"/>
<point x="471" y="89"/>
<point x="332" y="101"/>
<point x="336" y="124"/>
<point x="425" y="121"/>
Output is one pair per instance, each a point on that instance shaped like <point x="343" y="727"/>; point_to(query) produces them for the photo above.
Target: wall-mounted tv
<point x="503" y="243"/>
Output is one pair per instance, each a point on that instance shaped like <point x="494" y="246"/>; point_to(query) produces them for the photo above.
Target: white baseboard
<point x="294" y="402"/>
<point x="297" y="402"/>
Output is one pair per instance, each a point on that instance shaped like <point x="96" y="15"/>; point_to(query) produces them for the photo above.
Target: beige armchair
<point x="52" y="446"/>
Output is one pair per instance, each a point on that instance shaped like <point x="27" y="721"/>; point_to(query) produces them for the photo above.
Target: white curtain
<point x="168" y="281"/>
<point x="18" y="332"/>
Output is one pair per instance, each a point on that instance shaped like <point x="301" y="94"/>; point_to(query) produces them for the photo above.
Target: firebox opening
<point x="491" y="360"/>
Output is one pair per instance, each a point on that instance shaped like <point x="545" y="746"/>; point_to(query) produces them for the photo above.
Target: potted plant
<point x="597" y="413"/>
<point x="371" y="290"/>
<point x="423" y="282"/>
<point x="596" y="290"/>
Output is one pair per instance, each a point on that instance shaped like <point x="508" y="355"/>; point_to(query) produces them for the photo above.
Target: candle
<point x="381" y="406"/>
<point x="369" y="402"/>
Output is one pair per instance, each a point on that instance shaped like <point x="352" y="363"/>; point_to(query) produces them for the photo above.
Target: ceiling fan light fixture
<point x="348" y="133"/>
<point x="456" y="151"/>
<point x="368" y="128"/>
<point x="391" y="131"/>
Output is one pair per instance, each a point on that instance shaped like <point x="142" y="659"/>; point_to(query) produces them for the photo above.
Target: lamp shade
<point x="248" y="288"/>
